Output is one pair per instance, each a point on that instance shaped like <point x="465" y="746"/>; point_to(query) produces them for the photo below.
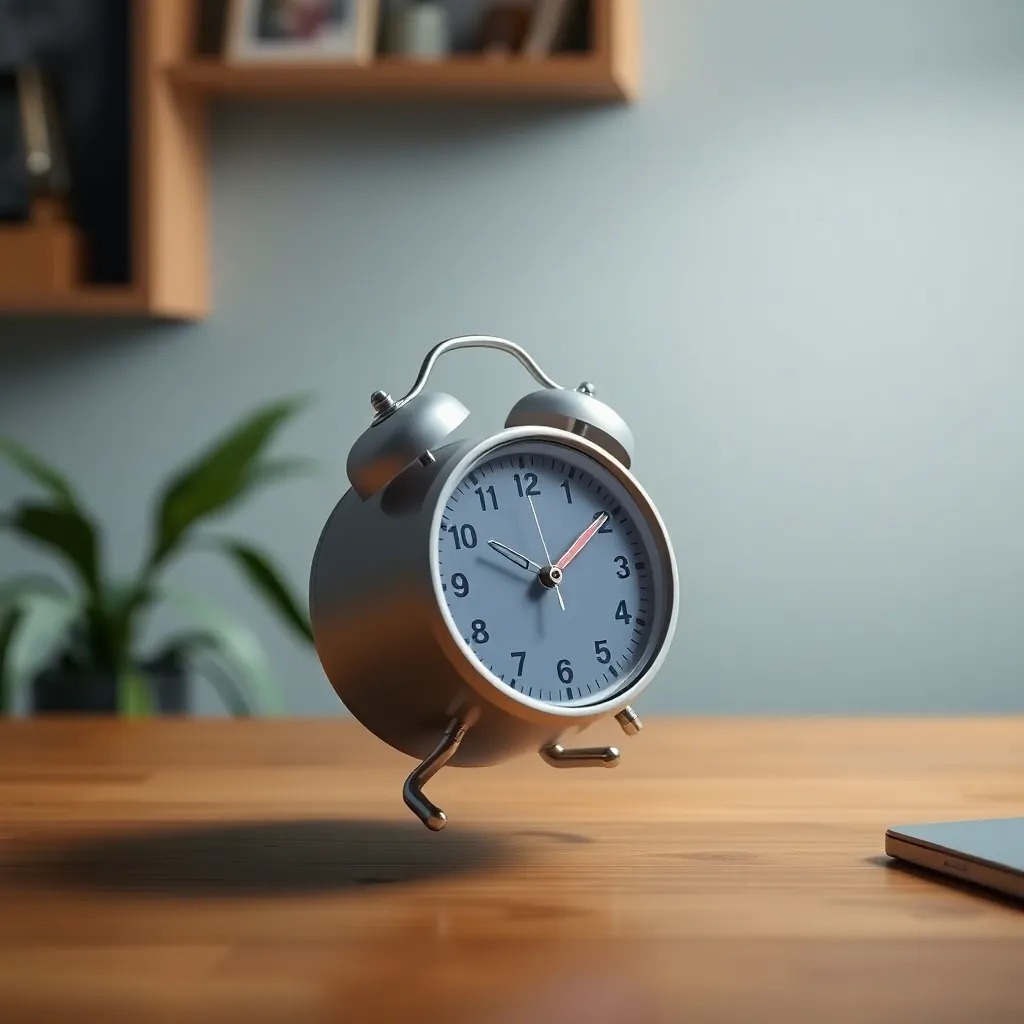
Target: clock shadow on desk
<point x="269" y="857"/>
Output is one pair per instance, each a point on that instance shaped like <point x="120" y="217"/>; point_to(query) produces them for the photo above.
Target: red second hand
<point x="580" y="542"/>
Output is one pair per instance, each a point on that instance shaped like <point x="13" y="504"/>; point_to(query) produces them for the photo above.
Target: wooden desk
<point x="727" y="871"/>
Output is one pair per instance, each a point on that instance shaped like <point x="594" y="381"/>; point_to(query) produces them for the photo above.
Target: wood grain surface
<point x="729" y="870"/>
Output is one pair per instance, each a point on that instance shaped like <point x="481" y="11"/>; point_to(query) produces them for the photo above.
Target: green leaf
<point x="120" y="602"/>
<point x="12" y="590"/>
<point x="269" y="471"/>
<point x="13" y="593"/>
<point x="219" y="477"/>
<point x="266" y="579"/>
<point x="233" y="646"/>
<point x="41" y="632"/>
<point x="65" y="531"/>
<point x="9" y="618"/>
<point x="134" y="699"/>
<point x="230" y="688"/>
<point x="38" y="470"/>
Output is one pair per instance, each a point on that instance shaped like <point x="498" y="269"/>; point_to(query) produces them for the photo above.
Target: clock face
<point x="552" y="573"/>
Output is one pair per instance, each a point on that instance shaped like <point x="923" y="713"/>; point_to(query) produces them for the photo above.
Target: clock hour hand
<point x="514" y="556"/>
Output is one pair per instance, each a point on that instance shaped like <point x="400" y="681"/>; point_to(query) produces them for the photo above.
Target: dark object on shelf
<point x="558" y="26"/>
<point x="63" y="691"/>
<point x="503" y="28"/>
<point x="211" y="25"/>
<point x="14" y="186"/>
<point x="82" y="49"/>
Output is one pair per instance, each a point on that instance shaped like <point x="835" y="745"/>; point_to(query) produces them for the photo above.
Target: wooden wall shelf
<point x="170" y="89"/>
<point x="467" y="78"/>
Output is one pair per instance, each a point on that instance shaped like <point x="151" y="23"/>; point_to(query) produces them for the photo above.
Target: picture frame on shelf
<point x="325" y="31"/>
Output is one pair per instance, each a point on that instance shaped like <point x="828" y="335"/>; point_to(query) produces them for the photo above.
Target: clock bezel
<point x="461" y="655"/>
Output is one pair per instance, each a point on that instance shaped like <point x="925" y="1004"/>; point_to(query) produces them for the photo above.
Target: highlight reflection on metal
<point x="429" y="813"/>
<point x="627" y="718"/>
<point x="580" y="757"/>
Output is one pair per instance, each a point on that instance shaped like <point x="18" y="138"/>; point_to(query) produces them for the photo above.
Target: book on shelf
<point x="552" y="24"/>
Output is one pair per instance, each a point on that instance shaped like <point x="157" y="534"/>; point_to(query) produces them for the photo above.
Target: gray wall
<point x="794" y="267"/>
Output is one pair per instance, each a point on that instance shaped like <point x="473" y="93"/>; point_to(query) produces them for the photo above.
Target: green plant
<point x="96" y="625"/>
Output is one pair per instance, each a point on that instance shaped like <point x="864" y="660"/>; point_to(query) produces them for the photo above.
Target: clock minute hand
<point x="547" y="554"/>
<point x="514" y="556"/>
<point x="581" y="541"/>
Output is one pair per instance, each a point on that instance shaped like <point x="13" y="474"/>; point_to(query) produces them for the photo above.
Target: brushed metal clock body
<point x="380" y="629"/>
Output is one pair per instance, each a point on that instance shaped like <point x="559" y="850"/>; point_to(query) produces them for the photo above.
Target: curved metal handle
<point x="468" y="341"/>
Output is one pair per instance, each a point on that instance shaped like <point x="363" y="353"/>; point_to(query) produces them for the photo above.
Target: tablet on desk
<point x="988" y="852"/>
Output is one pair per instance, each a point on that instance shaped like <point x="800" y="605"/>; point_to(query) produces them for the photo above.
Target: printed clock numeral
<point x="526" y="485"/>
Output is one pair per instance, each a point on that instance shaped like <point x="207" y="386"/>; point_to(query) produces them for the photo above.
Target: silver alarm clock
<point x="472" y="600"/>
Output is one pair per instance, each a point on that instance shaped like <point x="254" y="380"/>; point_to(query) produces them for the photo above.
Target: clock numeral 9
<point x="564" y="670"/>
<point x="464" y="538"/>
<point x="601" y="651"/>
<point x="480" y="634"/>
<point x="623" y="562"/>
<point x="460" y="585"/>
<point x="530" y="488"/>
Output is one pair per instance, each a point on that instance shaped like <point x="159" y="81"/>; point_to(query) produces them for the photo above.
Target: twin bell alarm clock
<point x="475" y="599"/>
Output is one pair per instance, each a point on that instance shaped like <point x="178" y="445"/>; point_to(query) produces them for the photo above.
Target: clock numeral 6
<point x="601" y="651"/>
<point x="564" y="670"/>
<point x="480" y="634"/>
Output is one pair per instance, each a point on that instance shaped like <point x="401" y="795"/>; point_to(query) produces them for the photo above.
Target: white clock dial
<point x="551" y="573"/>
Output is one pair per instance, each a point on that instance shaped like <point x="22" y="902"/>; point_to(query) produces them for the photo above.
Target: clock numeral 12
<point x="530" y="488"/>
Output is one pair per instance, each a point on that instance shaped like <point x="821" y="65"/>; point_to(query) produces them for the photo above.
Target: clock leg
<point x="580" y="757"/>
<point x="412" y="792"/>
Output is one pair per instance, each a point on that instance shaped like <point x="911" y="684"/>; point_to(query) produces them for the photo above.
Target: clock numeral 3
<point x="623" y="562"/>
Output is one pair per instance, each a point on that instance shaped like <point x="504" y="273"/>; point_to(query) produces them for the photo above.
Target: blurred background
<point x="793" y="264"/>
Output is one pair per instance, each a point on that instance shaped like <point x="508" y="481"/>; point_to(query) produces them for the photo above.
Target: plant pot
<point x="64" y="692"/>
